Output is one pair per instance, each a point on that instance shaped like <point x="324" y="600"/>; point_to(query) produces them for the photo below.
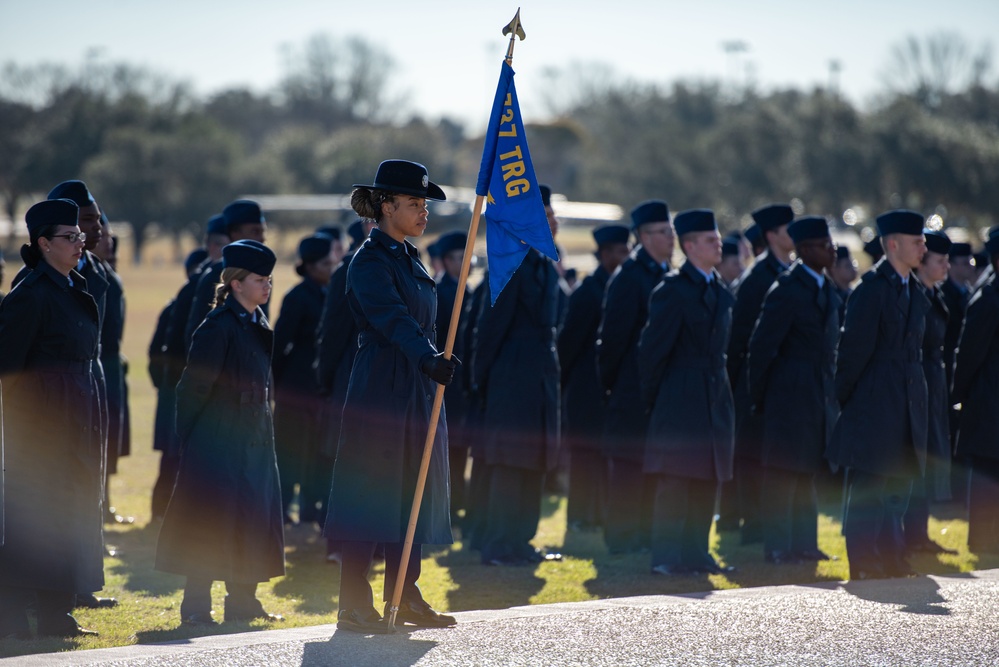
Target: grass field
<point x="452" y="577"/>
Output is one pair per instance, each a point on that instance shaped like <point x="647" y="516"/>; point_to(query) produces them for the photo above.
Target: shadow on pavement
<point x="920" y="595"/>
<point x="345" y="648"/>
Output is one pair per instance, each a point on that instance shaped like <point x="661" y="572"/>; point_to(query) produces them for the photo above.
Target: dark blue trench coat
<point x="224" y="520"/>
<point x="52" y="447"/>
<point x="386" y="414"/>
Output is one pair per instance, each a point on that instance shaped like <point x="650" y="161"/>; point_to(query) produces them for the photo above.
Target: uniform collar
<point x="696" y="274"/>
<point x="642" y="256"/>
<point x="396" y="248"/>
<point x="818" y="277"/>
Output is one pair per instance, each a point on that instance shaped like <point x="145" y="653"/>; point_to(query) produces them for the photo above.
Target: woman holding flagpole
<point x="387" y="411"/>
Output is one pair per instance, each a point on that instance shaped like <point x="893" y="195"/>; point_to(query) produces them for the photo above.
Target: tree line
<point x="163" y="158"/>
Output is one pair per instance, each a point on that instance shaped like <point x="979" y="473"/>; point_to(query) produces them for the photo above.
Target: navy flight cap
<point x="653" y="210"/>
<point x="253" y="256"/>
<point x="695" y="220"/>
<point x="809" y="227"/>
<point x="772" y="216"/>
<point x="608" y="234"/>
<point x="75" y="191"/>
<point x="900" y="221"/>
<point x="937" y="242"/>
<point x="50" y="213"/>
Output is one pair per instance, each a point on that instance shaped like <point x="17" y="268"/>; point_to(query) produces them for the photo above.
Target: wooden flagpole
<point x="515" y="30"/>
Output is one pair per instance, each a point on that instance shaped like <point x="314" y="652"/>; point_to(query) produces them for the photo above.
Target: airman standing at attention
<point x="792" y="362"/>
<point x="749" y="290"/>
<point x="681" y="364"/>
<point x="880" y="436"/>
<point x="625" y="311"/>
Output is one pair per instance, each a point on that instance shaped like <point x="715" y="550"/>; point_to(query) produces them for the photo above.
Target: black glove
<point x="439" y="369"/>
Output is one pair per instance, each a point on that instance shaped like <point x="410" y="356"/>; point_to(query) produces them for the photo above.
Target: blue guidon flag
<point x="515" y="216"/>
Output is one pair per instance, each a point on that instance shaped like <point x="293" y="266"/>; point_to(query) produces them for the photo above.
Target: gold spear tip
<point x="515" y="27"/>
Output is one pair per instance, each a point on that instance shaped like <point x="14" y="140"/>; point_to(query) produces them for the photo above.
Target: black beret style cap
<point x="217" y="225"/>
<point x="406" y="178"/>
<point x="653" y="210"/>
<point x="809" y="227"/>
<point x="197" y="256"/>
<point x="314" y="248"/>
<point x="874" y="248"/>
<point x="253" y="256"/>
<point x="900" y="221"/>
<point x="991" y="246"/>
<point x="937" y="242"/>
<point x="451" y="241"/>
<point x="356" y="231"/>
<point x="730" y="247"/>
<point x="960" y="250"/>
<point x="608" y="234"/>
<point x="842" y="252"/>
<point x="546" y="194"/>
<point x="332" y="231"/>
<point x="52" y="212"/>
<point x="695" y="220"/>
<point x="75" y="191"/>
<point x="753" y="234"/>
<point x="242" y="212"/>
<point x="772" y="216"/>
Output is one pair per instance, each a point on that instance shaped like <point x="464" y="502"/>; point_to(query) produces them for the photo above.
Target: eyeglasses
<point x="72" y="237"/>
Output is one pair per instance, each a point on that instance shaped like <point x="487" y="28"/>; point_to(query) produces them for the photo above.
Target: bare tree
<point x="937" y="64"/>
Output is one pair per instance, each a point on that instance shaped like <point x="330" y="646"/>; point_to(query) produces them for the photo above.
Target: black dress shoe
<point x="421" y="615"/>
<point x="505" y="561"/>
<point x="91" y="601"/>
<point x="929" y="547"/>
<point x="812" y="555"/>
<point x="862" y="574"/>
<point x="541" y="556"/>
<point x="199" y="619"/>
<point x="249" y="613"/>
<point x="781" y="558"/>
<point x="900" y="571"/>
<point x="357" y="620"/>
<point x="63" y="626"/>
<point x="671" y="570"/>
<point x="714" y="568"/>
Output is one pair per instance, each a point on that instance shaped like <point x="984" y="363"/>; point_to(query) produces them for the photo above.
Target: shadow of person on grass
<point x="136" y="556"/>
<point x="478" y="586"/>
<point x="314" y="590"/>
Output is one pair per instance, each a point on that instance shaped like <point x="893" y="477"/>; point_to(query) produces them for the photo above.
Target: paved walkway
<point x="938" y="620"/>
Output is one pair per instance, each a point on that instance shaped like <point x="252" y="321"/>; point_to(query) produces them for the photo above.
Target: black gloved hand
<point x="439" y="369"/>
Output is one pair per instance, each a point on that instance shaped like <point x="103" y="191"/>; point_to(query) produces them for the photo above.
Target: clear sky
<point x="448" y="52"/>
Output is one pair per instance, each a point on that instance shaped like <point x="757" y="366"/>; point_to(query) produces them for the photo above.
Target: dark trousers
<point x="457" y="461"/>
<point x="749" y="487"/>
<point x="52" y="609"/>
<point x="873" y="529"/>
<point x="355" y="590"/>
<point x="514" y="512"/>
<point x="587" y="488"/>
<point x="681" y="522"/>
<point x="629" y="507"/>
<point x="915" y="523"/>
<point x="790" y="510"/>
<point x="198" y="597"/>
<point x="473" y="530"/>
<point x="983" y="510"/>
<point x="163" y="488"/>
